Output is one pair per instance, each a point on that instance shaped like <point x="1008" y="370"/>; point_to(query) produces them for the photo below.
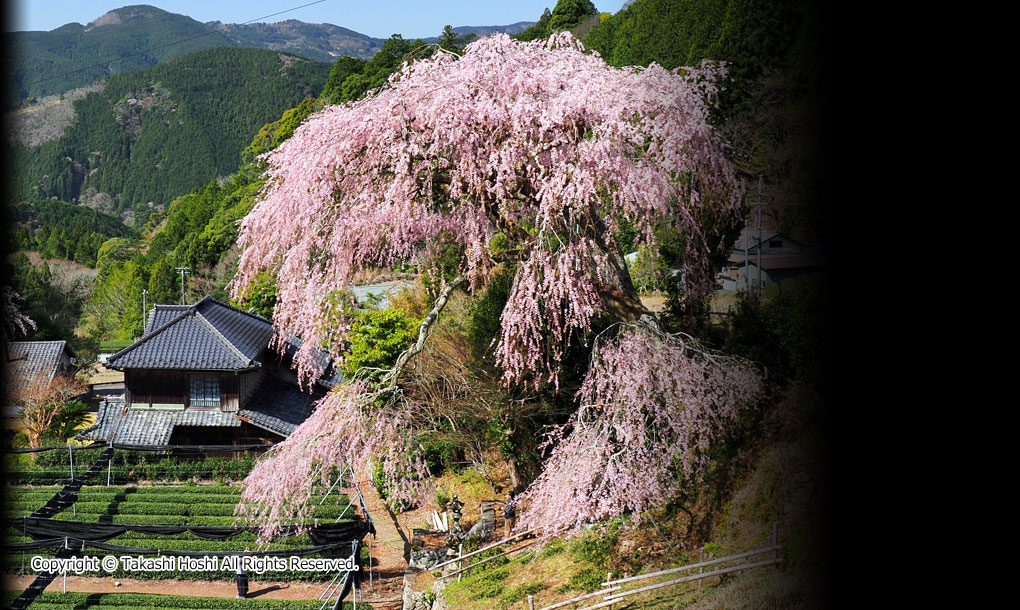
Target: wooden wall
<point x="143" y="387"/>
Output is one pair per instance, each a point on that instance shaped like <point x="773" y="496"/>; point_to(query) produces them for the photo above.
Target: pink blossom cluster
<point x="540" y="141"/>
<point x="651" y="407"/>
<point x="343" y="430"/>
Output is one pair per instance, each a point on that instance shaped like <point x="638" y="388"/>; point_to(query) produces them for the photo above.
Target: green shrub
<point x="520" y="592"/>
<point x="586" y="580"/>
<point x="377" y="337"/>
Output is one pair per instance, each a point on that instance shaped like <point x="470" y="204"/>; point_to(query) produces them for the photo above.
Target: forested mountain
<point x="318" y="41"/>
<point x="478" y="31"/>
<point x="43" y="63"/>
<point x="152" y="135"/>
<point x="198" y="229"/>
<point x="327" y="42"/>
<point x="75" y="55"/>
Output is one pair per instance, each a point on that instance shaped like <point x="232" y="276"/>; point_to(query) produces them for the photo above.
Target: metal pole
<point x="109" y="472"/>
<point x="74" y="507"/>
<point x="183" y="270"/>
<point x="758" y="222"/>
<point x="460" y="564"/>
<point x="371" y="582"/>
<point x="65" y="570"/>
<point x="747" y="237"/>
<point x="144" y="313"/>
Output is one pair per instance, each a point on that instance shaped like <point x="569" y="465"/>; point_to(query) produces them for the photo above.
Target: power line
<point x="169" y="44"/>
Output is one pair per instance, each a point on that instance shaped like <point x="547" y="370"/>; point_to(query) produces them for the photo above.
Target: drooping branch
<point x="389" y="380"/>
<point x="652" y="404"/>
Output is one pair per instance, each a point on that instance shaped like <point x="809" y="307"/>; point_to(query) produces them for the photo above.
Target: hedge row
<point x="163" y="501"/>
<point x="167" y="544"/>
<point x="147" y="540"/>
<point x="54" y="466"/>
<point x="159" y="490"/>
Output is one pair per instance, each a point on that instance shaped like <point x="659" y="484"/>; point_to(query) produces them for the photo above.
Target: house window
<point x="205" y="390"/>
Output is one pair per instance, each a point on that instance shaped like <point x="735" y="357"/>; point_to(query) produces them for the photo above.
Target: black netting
<point x="39" y="584"/>
<point x="197" y="449"/>
<point x="69" y="495"/>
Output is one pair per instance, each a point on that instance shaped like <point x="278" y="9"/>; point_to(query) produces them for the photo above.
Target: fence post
<point x="65" y="570"/>
<point x="109" y="472"/>
<point x="70" y="456"/>
<point x="460" y="564"/>
<point x="371" y="583"/>
<point x="531" y="602"/>
<point x="609" y="578"/>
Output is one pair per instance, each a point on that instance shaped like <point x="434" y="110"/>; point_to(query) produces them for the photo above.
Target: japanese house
<point x="204" y="374"/>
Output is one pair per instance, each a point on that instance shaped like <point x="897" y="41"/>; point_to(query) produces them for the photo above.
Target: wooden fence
<point x="613" y="590"/>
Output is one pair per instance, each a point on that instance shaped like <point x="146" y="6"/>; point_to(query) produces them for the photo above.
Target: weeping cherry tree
<point x="537" y="156"/>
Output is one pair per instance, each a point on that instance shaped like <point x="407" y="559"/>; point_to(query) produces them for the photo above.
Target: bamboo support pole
<point x="615" y="597"/>
<point x="692" y="566"/>
<point x="487" y="559"/>
<point x="484" y="548"/>
<point x="574" y="600"/>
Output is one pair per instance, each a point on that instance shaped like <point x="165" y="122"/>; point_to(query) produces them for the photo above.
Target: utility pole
<point x="183" y="270"/>
<point x="757" y="205"/>
<point x="145" y="312"/>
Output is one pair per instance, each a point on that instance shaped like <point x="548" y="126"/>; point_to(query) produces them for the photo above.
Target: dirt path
<point x="384" y="593"/>
<point x="388" y="554"/>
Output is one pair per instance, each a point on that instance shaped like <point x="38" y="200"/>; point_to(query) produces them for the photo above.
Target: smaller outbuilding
<point x="32" y="362"/>
<point x="760" y="258"/>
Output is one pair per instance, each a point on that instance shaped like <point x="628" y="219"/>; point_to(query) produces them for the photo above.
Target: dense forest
<point x="151" y="135"/>
<point x="198" y="230"/>
<point x="74" y="55"/>
<point x="57" y="229"/>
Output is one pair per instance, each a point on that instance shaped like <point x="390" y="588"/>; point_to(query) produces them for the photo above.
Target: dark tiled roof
<point x="330" y="376"/>
<point x="162" y="314"/>
<point x="114" y="423"/>
<point x="278" y="406"/>
<point x="27" y="360"/>
<point x="208" y="335"/>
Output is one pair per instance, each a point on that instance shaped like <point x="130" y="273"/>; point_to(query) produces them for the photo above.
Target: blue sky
<point x="377" y="18"/>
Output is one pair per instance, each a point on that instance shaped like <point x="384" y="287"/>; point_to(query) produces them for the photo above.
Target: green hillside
<point x="57" y="229"/>
<point x="43" y="63"/>
<point x="155" y="134"/>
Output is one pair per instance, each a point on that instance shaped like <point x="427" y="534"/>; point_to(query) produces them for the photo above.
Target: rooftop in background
<point x="31" y="360"/>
